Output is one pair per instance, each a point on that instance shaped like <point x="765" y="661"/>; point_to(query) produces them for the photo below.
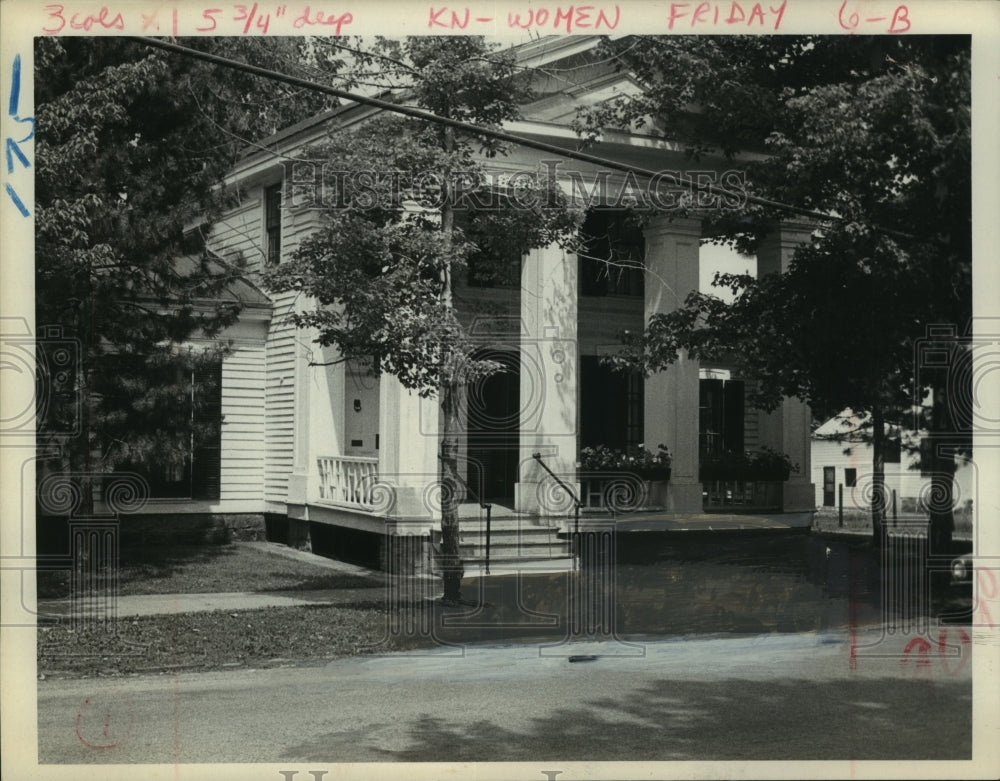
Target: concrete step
<point x="516" y="544"/>
<point x="509" y="565"/>
<point x="469" y="550"/>
<point x="507" y="524"/>
<point x="510" y="536"/>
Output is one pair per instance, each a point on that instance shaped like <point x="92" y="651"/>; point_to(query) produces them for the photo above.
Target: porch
<point x="347" y="492"/>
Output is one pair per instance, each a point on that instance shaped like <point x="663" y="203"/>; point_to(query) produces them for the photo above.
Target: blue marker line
<point x="15" y="88"/>
<point x="17" y="201"/>
<point x="12" y="147"/>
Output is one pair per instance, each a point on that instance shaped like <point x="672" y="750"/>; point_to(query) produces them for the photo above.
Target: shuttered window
<point x="272" y="223"/>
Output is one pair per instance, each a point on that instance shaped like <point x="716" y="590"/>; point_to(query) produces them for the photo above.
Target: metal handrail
<point x="484" y="506"/>
<point x="577" y="504"/>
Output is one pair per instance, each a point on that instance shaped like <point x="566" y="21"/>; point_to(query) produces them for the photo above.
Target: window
<point x="720" y="418"/>
<point x="272" y="223"/>
<point x="485" y="271"/>
<point x="850" y="478"/>
<point x="495" y="262"/>
<point x="611" y="405"/>
<point x="611" y="255"/>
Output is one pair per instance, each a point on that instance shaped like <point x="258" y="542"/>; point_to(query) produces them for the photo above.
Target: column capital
<point x="791" y="233"/>
<point x="676" y="226"/>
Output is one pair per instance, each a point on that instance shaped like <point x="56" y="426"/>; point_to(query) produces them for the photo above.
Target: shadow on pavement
<point x="871" y="719"/>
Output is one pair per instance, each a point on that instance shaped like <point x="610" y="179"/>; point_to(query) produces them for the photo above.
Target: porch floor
<point x="654" y="520"/>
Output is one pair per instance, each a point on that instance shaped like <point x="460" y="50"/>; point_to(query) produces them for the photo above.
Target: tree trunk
<point x="80" y="458"/>
<point x="942" y="490"/>
<point x="878" y="476"/>
<point x="452" y="569"/>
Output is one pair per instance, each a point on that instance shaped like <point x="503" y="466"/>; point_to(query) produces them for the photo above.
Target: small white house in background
<point x="842" y="455"/>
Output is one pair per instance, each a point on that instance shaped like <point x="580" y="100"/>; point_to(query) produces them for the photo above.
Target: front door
<point x="493" y="426"/>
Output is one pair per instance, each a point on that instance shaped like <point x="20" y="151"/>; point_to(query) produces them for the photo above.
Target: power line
<point x="499" y="135"/>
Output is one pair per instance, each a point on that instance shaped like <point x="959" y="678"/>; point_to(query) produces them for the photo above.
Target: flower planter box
<point x="623" y="491"/>
<point x="756" y="495"/>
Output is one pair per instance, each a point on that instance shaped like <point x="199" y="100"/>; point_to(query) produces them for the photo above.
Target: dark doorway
<point x="493" y="424"/>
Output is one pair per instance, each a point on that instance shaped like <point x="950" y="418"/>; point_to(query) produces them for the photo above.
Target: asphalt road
<point x="810" y="696"/>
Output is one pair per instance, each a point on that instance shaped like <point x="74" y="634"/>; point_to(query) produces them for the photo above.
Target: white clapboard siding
<point x="240" y="233"/>
<point x="242" y="467"/>
<point x="279" y="400"/>
<point x="260" y="399"/>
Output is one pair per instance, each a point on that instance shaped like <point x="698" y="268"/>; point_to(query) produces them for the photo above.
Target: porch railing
<point x="742" y="494"/>
<point x="347" y="480"/>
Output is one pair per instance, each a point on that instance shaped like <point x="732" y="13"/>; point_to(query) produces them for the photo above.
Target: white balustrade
<point x="347" y="481"/>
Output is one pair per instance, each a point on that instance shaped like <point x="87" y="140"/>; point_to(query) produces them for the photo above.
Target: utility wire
<point x="488" y="132"/>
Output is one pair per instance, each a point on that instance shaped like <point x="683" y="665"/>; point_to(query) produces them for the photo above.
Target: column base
<point x="684" y="497"/>
<point x="298" y="488"/>
<point x="409" y="503"/>
<point x="798" y="497"/>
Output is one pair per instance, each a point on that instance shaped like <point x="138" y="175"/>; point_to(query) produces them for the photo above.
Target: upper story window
<point x="495" y="262"/>
<point x="272" y="223"/>
<point x="612" y="254"/>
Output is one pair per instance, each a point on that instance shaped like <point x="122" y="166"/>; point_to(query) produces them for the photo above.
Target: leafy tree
<point x="130" y="146"/>
<point x="382" y="272"/>
<point x="875" y="133"/>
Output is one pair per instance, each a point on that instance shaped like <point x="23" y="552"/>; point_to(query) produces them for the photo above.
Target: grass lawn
<point x="828" y="519"/>
<point x="212" y="640"/>
<point x="200" y="569"/>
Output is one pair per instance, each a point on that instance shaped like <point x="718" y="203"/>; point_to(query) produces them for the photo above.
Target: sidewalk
<point x="172" y="604"/>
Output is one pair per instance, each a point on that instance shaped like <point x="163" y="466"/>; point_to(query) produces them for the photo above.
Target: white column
<point x="303" y="470"/>
<point x="408" y="448"/>
<point x="672" y="397"/>
<point x="787" y="429"/>
<point x="549" y="369"/>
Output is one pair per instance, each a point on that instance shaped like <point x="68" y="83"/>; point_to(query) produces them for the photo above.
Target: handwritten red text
<point x="922" y="649"/>
<point x="309" y="18"/>
<point x="714" y="14"/>
<point x="103" y="18"/>
<point x="571" y="19"/>
<point x="851" y="19"/>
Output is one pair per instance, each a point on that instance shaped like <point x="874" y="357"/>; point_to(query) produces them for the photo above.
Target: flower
<point x="636" y="459"/>
<point x="765" y="464"/>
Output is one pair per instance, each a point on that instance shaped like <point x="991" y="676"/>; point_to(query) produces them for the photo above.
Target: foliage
<point x="130" y="145"/>
<point x="763" y="464"/>
<point x="636" y="459"/>
<point x="380" y="274"/>
<point x="874" y="132"/>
